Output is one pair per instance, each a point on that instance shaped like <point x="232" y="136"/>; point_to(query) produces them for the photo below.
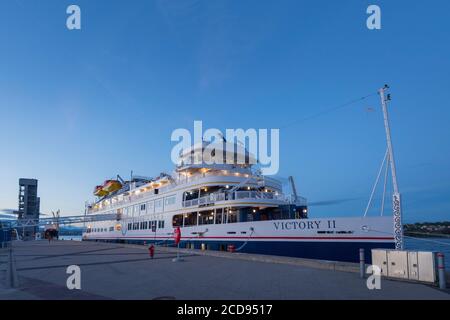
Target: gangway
<point x="22" y="223"/>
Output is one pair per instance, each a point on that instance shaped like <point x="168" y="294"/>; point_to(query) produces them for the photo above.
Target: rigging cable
<point x="324" y="112"/>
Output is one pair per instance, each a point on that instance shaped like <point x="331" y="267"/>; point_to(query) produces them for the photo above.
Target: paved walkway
<point x="115" y="271"/>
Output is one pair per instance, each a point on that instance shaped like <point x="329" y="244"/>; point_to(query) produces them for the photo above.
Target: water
<point x="430" y="244"/>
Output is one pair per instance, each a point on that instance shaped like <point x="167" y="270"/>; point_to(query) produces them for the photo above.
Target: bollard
<point x="11" y="276"/>
<point x="362" y="264"/>
<point x="441" y="271"/>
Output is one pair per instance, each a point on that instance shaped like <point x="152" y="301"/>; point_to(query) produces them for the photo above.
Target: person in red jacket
<point x="151" y="251"/>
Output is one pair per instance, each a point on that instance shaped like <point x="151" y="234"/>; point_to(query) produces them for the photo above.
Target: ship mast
<point x="396" y="198"/>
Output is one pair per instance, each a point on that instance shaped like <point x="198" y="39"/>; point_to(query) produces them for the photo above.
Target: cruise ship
<point x="229" y="207"/>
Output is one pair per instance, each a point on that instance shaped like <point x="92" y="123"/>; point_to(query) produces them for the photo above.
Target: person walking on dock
<point x="151" y="251"/>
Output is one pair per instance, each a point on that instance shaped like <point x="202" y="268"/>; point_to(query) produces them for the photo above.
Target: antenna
<point x="293" y="188"/>
<point x="222" y="137"/>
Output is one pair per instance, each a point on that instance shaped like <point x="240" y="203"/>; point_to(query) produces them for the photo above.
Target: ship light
<point x="248" y="188"/>
<point x="266" y="190"/>
<point x="254" y="210"/>
<point x="206" y="189"/>
<point x="212" y="213"/>
<point x="227" y="186"/>
<point x="305" y="210"/>
<point x="137" y="191"/>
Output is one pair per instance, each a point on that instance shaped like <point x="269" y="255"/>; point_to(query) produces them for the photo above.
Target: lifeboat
<point x="164" y="180"/>
<point x="112" y="185"/>
<point x="100" y="192"/>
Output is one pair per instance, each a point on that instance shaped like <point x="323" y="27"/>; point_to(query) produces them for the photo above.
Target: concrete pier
<point x="119" y="271"/>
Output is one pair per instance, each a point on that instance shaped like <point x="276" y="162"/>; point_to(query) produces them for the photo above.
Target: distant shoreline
<point x="426" y="235"/>
<point x="428" y="230"/>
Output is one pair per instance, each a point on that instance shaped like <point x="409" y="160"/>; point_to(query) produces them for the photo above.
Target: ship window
<point x="231" y="216"/>
<point x="169" y="200"/>
<point x="143" y="207"/>
<point x="190" y="219"/>
<point x="189" y="195"/>
<point x="177" y="220"/>
<point x="219" y="215"/>
<point x="206" y="217"/>
<point x="150" y="207"/>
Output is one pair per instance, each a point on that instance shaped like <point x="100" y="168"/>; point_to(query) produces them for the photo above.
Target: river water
<point x="430" y="244"/>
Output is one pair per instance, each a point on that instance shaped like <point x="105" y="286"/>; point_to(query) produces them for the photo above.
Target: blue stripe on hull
<point x="335" y="251"/>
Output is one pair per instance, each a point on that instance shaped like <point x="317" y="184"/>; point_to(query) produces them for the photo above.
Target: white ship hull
<point x="330" y="239"/>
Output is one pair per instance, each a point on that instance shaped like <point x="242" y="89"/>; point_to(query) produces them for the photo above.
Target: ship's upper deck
<point x="235" y="178"/>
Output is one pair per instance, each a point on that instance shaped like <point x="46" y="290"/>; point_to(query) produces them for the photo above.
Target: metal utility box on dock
<point x="427" y="266"/>
<point x="397" y="266"/>
<point x="379" y="258"/>
<point x="407" y="265"/>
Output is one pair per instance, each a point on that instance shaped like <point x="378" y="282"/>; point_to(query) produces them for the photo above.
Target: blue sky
<point x="78" y="107"/>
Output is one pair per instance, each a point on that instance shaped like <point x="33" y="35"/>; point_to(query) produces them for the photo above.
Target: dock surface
<point x="120" y="271"/>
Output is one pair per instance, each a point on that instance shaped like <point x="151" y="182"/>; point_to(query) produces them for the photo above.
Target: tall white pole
<point x="396" y="198"/>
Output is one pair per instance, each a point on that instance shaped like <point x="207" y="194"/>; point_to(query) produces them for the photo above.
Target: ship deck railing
<point x="240" y="195"/>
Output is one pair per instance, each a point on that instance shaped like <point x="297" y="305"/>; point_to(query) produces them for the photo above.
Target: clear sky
<point x="78" y="107"/>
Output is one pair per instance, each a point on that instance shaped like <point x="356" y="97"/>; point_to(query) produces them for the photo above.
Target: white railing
<point x="237" y="195"/>
<point x="230" y="173"/>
